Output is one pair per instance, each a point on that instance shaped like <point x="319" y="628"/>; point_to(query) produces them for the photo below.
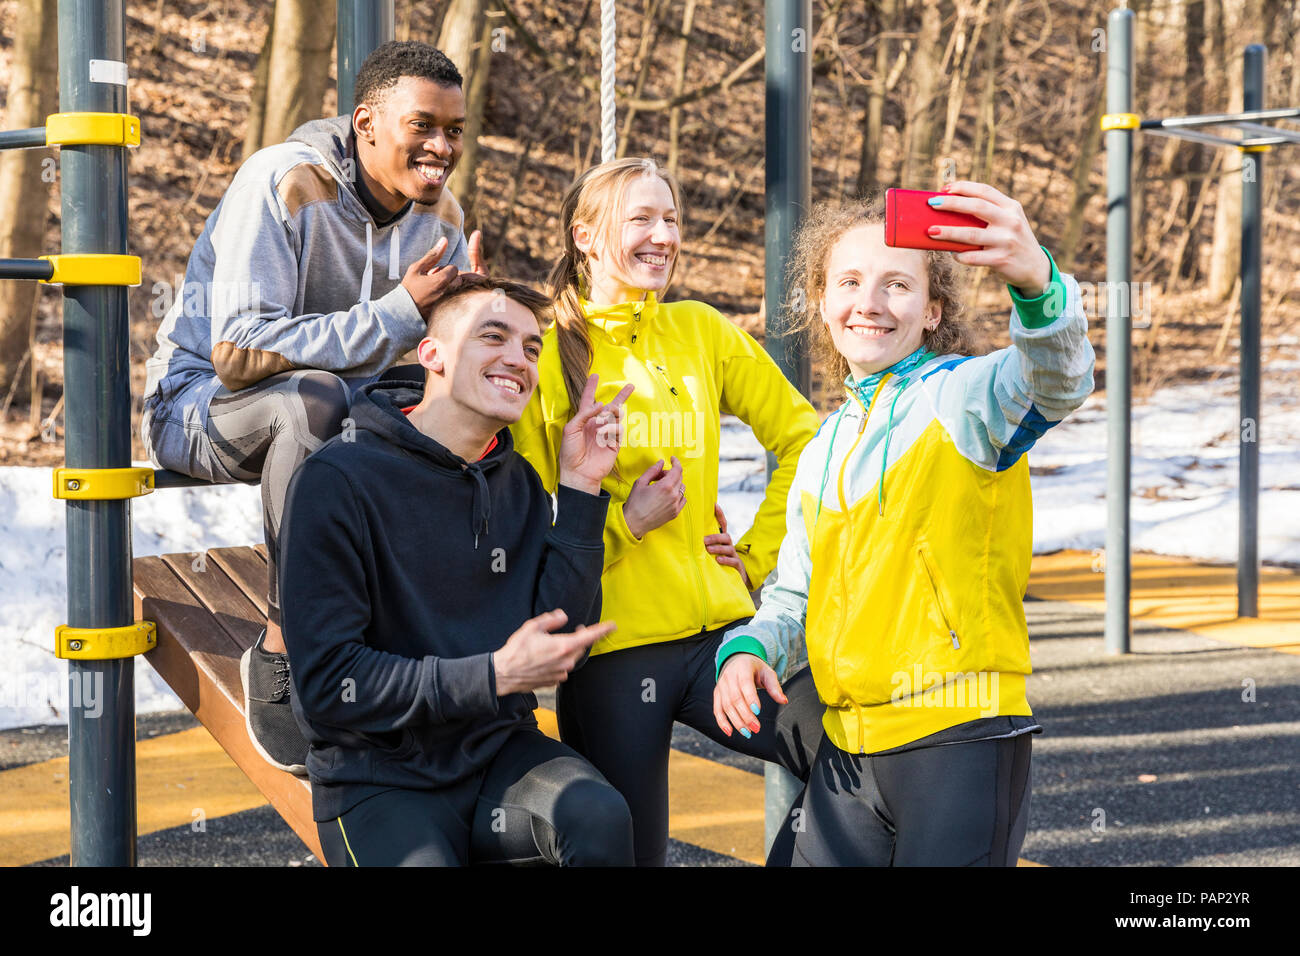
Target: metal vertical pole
<point x="1119" y="264"/>
<point x="1252" y="228"/>
<point x="97" y="413"/>
<point x="788" y="189"/>
<point x="362" y="26"/>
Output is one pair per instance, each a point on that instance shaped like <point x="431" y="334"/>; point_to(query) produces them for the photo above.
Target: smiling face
<point x="483" y="356"/>
<point x="876" y="303"/>
<point x="636" y="253"/>
<point x="410" y="142"/>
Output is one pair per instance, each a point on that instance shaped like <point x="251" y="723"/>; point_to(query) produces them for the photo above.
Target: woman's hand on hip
<point x="723" y="550"/>
<point x="657" y="497"/>
<point x="735" y="698"/>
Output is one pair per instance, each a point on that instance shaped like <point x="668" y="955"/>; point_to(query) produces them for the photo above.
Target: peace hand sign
<point x="592" y="439"/>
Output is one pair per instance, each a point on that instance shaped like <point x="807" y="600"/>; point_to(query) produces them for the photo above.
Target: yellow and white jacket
<point x="689" y="365"/>
<point x="910" y="531"/>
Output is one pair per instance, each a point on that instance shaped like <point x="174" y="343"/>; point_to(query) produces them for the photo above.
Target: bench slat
<point x="221" y="596"/>
<point x="247" y="568"/>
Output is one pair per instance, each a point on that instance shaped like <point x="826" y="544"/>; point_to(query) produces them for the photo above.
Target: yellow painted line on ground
<point x="176" y="775"/>
<point x="1180" y="593"/>
<point x="712" y="806"/>
<point x="716" y="807"/>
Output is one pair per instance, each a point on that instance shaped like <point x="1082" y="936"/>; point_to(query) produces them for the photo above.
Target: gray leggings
<point x="260" y="433"/>
<point x="963" y="804"/>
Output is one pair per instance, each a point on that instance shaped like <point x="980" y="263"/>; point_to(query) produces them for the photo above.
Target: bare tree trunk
<point x="679" y="84"/>
<point x="872" y="141"/>
<point x="1193" y="160"/>
<point x="24" y="193"/>
<point x="649" y="38"/>
<point x="257" y="97"/>
<point x="466" y="39"/>
<point x="986" y="128"/>
<point x="462" y="26"/>
<point x="1142" y="65"/>
<point x="1081" y="175"/>
<point x="957" y="90"/>
<point x="1225" y="259"/>
<point x="918" y="169"/>
<point x="1294" y="96"/>
<point x="299" y="66"/>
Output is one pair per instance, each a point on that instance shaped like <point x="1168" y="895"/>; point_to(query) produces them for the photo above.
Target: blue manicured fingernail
<point x="745" y="733"/>
<point x="754" y="708"/>
<point x="935" y="200"/>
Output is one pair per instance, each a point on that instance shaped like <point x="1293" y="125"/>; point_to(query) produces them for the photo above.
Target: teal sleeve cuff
<point x="744" y="644"/>
<point x="1042" y="310"/>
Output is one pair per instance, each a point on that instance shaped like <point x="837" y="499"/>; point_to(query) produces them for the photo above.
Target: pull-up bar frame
<point x="1255" y="139"/>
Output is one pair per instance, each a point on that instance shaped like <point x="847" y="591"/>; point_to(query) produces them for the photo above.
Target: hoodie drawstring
<point x="857" y="391"/>
<point x="394" y="253"/>
<point x="482" y="502"/>
<point x="368" y="275"/>
<point x="884" y="455"/>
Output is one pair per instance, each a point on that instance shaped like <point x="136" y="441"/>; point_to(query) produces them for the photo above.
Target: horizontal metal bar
<point x="41" y="269"/>
<point x="1195" y="137"/>
<point x="162" y="478"/>
<point x="1276" y="132"/>
<point x="31" y="138"/>
<point x="1212" y="140"/>
<point x="1215" y="119"/>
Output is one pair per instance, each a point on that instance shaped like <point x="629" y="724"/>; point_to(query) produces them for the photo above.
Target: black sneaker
<point x="267" y="713"/>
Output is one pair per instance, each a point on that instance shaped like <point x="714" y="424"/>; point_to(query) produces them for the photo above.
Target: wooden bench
<point x="209" y="609"/>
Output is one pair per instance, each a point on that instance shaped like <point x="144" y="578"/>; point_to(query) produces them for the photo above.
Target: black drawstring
<point x="482" y="502"/>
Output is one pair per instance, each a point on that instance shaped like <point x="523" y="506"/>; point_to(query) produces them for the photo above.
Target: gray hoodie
<point x="291" y="271"/>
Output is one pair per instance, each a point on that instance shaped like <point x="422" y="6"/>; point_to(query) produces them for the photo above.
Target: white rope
<point x="608" y="41"/>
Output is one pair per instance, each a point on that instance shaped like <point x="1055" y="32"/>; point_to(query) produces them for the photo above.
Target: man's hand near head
<point x="426" y="282"/>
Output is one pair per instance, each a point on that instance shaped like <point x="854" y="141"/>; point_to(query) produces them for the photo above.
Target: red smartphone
<point x="908" y="216"/>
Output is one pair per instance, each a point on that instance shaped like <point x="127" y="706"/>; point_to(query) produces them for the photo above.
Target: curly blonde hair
<point x="807" y="269"/>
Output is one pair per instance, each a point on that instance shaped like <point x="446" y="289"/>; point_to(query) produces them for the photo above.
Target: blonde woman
<point x="673" y="580"/>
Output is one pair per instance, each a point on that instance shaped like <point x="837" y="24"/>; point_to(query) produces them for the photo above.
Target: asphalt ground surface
<point x="1182" y="753"/>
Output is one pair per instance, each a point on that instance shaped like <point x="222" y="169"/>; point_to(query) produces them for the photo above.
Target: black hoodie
<point x="402" y="568"/>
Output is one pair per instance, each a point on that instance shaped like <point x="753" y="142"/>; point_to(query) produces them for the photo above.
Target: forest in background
<point x="904" y="93"/>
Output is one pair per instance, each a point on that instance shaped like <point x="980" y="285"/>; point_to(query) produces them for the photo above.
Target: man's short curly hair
<point x="391" y="61"/>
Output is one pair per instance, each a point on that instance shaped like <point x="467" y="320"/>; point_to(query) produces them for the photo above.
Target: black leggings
<point x="537" y="802"/>
<point x="964" y="804"/>
<point x="618" y="709"/>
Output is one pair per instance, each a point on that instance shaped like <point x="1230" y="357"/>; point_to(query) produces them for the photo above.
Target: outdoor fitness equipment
<point x="1254" y="140"/>
<point x="95" y="270"/>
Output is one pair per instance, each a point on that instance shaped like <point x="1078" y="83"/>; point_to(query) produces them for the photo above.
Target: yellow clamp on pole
<point x="102" y="484"/>
<point x="1120" y="121"/>
<point x="104" y="643"/>
<point x="94" y="268"/>
<point x="92" y="129"/>
<point x="1255" y="149"/>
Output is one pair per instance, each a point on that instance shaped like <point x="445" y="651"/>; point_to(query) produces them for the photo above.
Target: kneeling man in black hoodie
<point x="422" y="580"/>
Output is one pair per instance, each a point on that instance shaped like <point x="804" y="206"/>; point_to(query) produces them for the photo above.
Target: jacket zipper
<point x="934" y="589"/>
<point x="636" y="319"/>
<point x="690" y="525"/>
<point x="839" y="487"/>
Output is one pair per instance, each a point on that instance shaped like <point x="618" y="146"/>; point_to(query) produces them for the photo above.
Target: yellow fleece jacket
<point x="690" y="366"/>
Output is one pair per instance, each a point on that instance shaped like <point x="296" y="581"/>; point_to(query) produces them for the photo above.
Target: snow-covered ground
<point x="1184" y="503"/>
